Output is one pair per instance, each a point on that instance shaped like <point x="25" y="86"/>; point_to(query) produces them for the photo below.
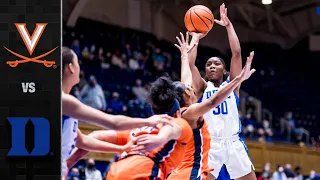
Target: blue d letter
<point x="41" y="136"/>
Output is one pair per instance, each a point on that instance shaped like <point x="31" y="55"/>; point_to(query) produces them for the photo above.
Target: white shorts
<point x="233" y="153"/>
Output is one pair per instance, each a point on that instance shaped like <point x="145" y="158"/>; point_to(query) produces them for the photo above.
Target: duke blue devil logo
<point x="41" y="136"/>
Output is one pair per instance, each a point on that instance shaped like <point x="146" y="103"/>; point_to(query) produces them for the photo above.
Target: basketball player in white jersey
<point x="223" y="122"/>
<point x="73" y="110"/>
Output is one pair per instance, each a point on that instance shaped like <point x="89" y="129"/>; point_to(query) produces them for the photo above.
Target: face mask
<point x="265" y="124"/>
<point x="91" y="84"/>
<point x="267" y="168"/>
<point x="76" y="175"/>
<point x="280" y="169"/>
<point x="90" y="166"/>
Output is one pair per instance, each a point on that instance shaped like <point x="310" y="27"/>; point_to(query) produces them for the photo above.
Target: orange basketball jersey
<point x="195" y="161"/>
<point x="156" y="164"/>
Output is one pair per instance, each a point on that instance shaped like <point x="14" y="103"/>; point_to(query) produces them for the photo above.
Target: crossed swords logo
<point x="30" y="43"/>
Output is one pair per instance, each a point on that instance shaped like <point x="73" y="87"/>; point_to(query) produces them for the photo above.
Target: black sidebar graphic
<point x="30" y="90"/>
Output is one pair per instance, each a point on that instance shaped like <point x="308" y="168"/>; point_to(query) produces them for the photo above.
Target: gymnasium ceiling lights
<point x="266" y="2"/>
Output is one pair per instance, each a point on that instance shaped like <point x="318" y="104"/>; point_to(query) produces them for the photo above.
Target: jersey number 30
<point x="221" y="109"/>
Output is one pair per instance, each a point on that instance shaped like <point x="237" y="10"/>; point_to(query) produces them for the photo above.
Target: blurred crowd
<point x="89" y="170"/>
<point x="132" y="71"/>
<point x="285" y="172"/>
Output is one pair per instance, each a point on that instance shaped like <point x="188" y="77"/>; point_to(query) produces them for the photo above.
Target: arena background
<point x="111" y="38"/>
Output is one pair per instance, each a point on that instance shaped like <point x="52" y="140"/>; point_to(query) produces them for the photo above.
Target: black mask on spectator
<point x="91" y="84"/>
<point x="90" y="166"/>
<point x="82" y="172"/>
<point x="76" y="175"/>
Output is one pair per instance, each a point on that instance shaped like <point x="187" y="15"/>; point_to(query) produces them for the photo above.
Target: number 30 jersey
<point x="223" y="121"/>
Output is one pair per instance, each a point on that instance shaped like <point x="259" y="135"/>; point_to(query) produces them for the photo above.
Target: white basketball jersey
<point x="69" y="136"/>
<point x="223" y="121"/>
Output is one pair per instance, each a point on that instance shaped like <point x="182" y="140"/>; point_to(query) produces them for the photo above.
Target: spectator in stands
<point x="91" y="172"/>
<point x="85" y="52"/>
<point x="287" y="170"/>
<point x="158" y="60"/>
<point x="249" y="125"/>
<point x="82" y="173"/>
<point x="140" y="92"/>
<point x="82" y="81"/>
<point x="313" y="175"/>
<point x="267" y="129"/>
<point x="100" y="55"/>
<point x="74" y="175"/>
<point x="117" y="61"/>
<point x="279" y="174"/>
<point x="283" y="125"/>
<point x="105" y="64"/>
<point x="265" y="174"/>
<point x="115" y="106"/>
<point x="290" y="124"/>
<point x="133" y="64"/>
<point x="76" y="92"/>
<point x="93" y="95"/>
<point x="76" y="47"/>
<point x="250" y="107"/>
<point x="290" y="121"/>
<point x="140" y="59"/>
<point x="124" y="59"/>
<point x="298" y="173"/>
<point x="128" y="51"/>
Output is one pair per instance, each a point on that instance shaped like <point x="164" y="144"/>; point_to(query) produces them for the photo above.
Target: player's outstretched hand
<point x="247" y="71"/>
<point x="224" y="20"/>
<point x="129" y="146"/>
<point x="156" y="119"/>
<point x="147" y="143"/>
<point x="197" y="35"/>
<point x="184" y="45"/>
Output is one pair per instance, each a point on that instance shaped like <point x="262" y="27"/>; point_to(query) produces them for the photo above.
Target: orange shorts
<point x="135" y="167"/>
<point x="186" y="173"/>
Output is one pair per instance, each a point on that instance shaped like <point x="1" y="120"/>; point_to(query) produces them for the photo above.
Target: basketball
<point x="199" y="18"/>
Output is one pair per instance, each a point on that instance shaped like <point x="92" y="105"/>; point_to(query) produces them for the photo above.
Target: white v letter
<point x="31" y="41"/>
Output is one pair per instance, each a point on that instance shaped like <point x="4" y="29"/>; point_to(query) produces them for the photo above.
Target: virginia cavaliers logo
<point x="31" y="43"/>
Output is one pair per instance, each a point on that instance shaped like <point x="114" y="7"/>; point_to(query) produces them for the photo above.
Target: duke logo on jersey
<point x="227" y="112"/>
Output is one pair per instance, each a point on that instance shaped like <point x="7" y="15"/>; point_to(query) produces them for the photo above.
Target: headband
<point x="175" y="107"/>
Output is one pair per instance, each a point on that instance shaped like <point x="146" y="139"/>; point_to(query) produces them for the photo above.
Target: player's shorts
<point x="233" y="153"/>
<point x="187" y="173"/>
<point x="136" y="167"/>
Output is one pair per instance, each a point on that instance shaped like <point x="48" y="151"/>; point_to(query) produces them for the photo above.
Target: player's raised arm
<point x="186" y="75"/>
<point x="198" y="83"/>
<point x="196" y="110"/>
<point x="74" y="108"/>
<point x="236" y="61"/>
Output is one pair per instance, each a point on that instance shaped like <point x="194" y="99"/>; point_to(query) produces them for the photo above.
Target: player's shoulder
<point x="182" y="123"/>
<point x="225" y="82"/>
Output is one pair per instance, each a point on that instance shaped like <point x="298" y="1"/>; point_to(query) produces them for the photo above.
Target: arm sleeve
<point x="122" y="137"/>
<point x="186" y="131"/>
